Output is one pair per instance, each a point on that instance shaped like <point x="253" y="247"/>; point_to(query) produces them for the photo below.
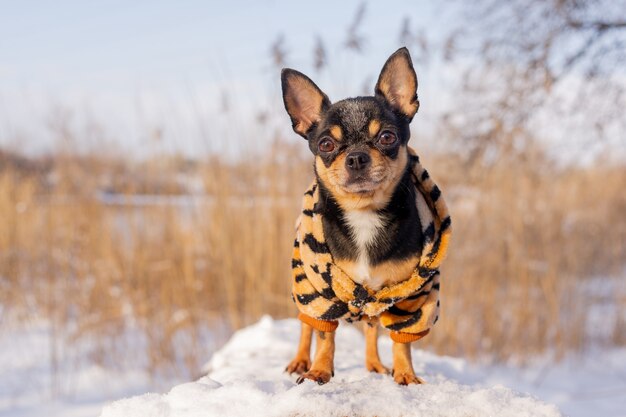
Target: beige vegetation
<point x="94" y="241"/>
<point x="527" y="237"/>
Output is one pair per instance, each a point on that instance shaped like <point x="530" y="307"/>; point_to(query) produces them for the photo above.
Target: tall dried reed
<point x="526" y="241"/>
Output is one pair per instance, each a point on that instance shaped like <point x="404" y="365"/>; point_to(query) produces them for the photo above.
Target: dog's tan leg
<point x="302" y="361"/>
<point x="403" y="372"/>
<point x="372" y="360"/>
<point x="323" y="367"/>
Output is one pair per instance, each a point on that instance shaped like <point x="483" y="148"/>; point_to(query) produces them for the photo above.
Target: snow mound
<point x="246" y="378"/>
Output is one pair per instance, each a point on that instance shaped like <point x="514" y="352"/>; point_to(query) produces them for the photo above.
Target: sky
<point x="133" y="68"/>
<point x="195" y="77"/>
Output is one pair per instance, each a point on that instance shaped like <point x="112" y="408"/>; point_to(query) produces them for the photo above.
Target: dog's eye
<point x="326" y="145"/>
<point x="387" y="138"/>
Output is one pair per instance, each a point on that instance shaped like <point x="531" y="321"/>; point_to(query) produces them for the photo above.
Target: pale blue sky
<point x="118" y="71"/>
<point x="133" y="65"/>
<point x="62" y="43"/>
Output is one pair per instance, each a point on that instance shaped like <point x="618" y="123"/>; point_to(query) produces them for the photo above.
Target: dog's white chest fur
<point x="365" y="226"/>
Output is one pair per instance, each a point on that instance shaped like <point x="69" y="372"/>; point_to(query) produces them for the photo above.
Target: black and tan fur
<point x="366" y="248"/>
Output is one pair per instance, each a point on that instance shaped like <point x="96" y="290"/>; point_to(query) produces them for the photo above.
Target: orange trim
<point x="400" y="337"/>
<point x="319" y="325"/>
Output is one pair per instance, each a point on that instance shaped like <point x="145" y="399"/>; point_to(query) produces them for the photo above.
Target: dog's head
<point x="360" y="144"/>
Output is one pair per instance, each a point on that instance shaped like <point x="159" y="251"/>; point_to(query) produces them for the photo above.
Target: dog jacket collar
<point x="324" y="293"/>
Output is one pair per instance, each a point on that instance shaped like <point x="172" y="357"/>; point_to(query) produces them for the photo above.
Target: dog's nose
<point x="357" y="161"/>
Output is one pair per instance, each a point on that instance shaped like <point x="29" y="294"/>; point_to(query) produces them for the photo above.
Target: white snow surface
<point x="246" y="378"/>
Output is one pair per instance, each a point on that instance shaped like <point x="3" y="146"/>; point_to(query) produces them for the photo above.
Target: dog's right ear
<point x="304" y="101"/>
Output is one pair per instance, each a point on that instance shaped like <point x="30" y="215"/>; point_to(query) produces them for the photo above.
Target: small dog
<point x="373" y="229"/>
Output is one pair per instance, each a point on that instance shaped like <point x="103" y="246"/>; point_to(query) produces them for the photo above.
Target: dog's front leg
<point x="372" y="360"/>
<point x="302" y="362"/>
<point x="403" y="372"/>
<point x="323" y="367"/>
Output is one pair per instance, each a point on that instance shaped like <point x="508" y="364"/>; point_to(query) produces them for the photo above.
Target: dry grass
<point x="526" y="238"/>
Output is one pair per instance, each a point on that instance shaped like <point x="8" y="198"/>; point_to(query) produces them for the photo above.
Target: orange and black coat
<point x="324" y="293"/>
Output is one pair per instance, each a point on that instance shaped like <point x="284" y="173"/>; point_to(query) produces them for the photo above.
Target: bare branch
<point x="356" y="41"/>
<point x="319" y="54"/>
<point x="278" y="51"/>
<point x="600" y="26"/>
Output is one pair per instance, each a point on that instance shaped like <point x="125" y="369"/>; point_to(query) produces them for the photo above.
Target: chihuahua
<point x="363" y="229"/>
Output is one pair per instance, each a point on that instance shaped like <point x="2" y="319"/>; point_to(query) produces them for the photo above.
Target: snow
<point x="246" y="378"/>
<point x="33" y="384"/>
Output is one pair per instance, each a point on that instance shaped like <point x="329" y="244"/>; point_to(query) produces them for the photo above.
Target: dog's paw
<point x="377" y="367"/>
<point x="321" y="377"/>
<point x="406" y="378"/>
<point x="298" y="365"/>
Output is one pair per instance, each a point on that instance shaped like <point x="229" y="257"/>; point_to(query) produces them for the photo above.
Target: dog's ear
<point x="397" y="84"/>
<point x="304" y="101"/>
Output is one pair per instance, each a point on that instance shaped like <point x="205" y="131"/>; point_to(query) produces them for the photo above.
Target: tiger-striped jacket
<point x="324" y="293"/>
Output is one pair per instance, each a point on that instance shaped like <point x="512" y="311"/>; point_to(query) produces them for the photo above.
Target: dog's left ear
<point x="397" y="84"/>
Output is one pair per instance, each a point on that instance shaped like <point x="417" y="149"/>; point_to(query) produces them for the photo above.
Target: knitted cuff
<point x="320" y="325"/>
<point x="400" y="337"/>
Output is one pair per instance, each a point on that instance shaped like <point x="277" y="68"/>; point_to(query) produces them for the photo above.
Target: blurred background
<point x="150" y="180"/>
